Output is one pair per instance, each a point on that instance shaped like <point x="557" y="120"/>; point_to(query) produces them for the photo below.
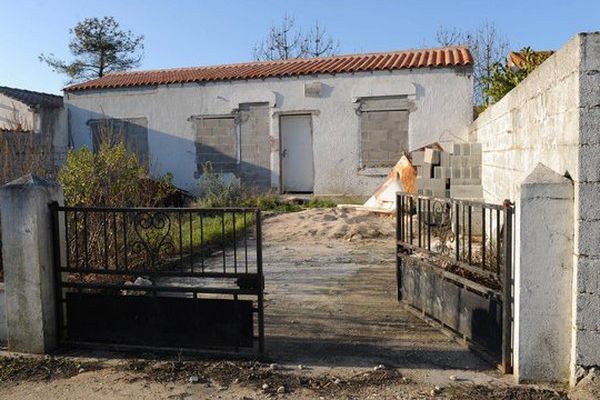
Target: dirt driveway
<point x="334" y="330"/>
<point x="331" y="296"/>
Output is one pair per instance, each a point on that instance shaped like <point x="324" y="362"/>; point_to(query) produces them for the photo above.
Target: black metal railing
<point x="473" y="237"/>
<point x="160" y="252"/>
<point x="468" y="243"/>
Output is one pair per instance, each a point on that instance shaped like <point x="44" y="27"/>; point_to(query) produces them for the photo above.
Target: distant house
<point x="41" y="113"/>
<point x="516" y="59"/>
<point x="331" y="125"/>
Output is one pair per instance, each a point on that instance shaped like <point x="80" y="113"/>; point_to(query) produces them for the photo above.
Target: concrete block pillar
<point x="27" y="259"/>
<point x="543" y="274"/>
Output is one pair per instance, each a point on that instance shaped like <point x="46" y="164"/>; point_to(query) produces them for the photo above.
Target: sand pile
<point x="329" y="223"/>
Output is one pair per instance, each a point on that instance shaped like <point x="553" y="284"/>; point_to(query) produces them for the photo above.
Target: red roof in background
<point x="517" y="59"/>
<point x="423" y="58"/>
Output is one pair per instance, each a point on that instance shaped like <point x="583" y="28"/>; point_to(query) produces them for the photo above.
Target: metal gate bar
<point x="109" y="256"/>
<point x="463" y="242"/>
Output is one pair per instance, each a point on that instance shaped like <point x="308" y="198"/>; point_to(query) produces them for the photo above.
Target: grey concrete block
<point x="476" y="172"/>
<point x="445" y="159"/>
<point x="459" y="161"/>
<point x="438" y="187"/>
<point x="465" y="173"/>
<point x="475" y="160"/>
<point x="456" y="149"/>
<point x="417" y="157"/>
<point x="465" y="181"/>
<point x="475" y="148"/>
<point x="456" y="173"/>
<point x="470" y="192"/>
<point x="442" y="173"/>
<point x="465" y="149"/>
<point x="426" y="170"/>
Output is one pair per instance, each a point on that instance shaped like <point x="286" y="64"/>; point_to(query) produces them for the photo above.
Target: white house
<point x="329" y="125"/>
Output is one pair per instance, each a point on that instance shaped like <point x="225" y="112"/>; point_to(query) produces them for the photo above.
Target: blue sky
<point x="188" y="33"/>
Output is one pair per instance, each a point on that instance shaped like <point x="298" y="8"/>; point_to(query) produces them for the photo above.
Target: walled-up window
<point x="133" y="132"/>
<point x="383" y="130"/>
<point x="216" y="142"/>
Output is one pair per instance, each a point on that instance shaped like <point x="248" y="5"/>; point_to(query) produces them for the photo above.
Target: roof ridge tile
<point x="454" y="56"/>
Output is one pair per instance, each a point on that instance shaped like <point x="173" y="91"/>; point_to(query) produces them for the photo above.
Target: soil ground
<point x="333" y="330"/>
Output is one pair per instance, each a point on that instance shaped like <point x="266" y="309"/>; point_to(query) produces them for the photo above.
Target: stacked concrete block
<point x="433" y="172"/>
<point x="466" y="172"/>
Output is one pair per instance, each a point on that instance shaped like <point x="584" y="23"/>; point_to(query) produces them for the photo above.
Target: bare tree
<point x="283" y="42"/>
<point x="488" y="47"/>
<point x="447" y="37"/>
<point x="286" y="41"/>
<point x="318" y="43"/>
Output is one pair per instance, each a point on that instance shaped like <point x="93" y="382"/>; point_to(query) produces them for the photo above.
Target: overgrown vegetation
<point x="110" y="177"/>
<point x="218" y="191"/>
<point x="504" y="77"/>
<point x="210" y="232"/>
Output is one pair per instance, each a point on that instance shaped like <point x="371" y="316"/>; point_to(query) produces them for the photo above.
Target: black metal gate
<point x="160" y="278"/>
<point x="454" y="266"/>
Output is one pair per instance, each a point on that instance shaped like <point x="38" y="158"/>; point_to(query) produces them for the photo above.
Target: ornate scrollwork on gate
<point x="153" y="231"/>
<point x="441" y="217"/>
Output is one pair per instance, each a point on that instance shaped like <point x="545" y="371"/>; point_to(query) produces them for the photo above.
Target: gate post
<point x="543" y="273"/>
<point x="27" y="256"/>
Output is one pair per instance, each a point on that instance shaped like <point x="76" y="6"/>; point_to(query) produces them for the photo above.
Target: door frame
<point x="308" y="114"/>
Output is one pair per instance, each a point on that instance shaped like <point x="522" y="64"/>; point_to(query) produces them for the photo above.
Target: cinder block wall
<point x="553" y="117"/>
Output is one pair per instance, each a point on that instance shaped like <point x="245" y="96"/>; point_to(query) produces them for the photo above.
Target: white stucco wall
<point x="442" y="111"/>
<point x="553" y="117"/>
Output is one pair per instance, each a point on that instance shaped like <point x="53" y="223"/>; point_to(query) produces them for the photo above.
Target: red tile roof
<point x="424" y="58"/>
<point x="517" y="58"/>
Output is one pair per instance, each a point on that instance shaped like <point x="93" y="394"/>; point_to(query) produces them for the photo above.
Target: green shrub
<point x="216" y="191"/>
<point x="110" y="177"/>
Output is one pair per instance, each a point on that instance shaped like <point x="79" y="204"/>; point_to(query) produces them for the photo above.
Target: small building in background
<point x="33" y="133"/>
<point x="28" y="111"/>
<point x="328" y="126"/>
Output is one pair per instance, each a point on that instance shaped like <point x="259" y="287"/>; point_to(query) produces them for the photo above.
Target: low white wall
<point x="553" y="117"/>
<point x="442" y="110"/>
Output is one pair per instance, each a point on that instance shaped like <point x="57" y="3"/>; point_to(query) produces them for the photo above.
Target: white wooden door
<point x="297" y="153"/>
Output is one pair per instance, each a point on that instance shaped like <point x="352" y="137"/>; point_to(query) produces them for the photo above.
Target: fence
<point x="455" y="266"/>
<point x="159" y="277"/>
